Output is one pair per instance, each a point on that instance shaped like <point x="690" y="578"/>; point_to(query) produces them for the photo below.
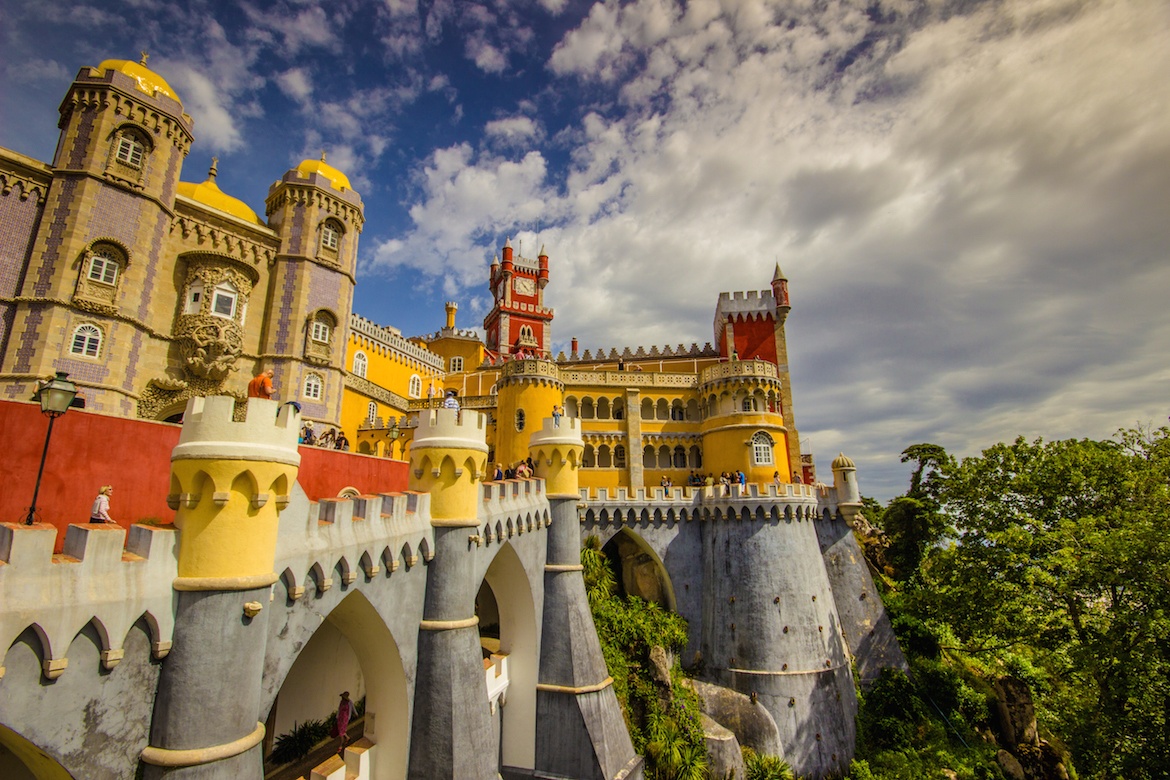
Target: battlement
<point x="344" y="536"/>
<point x="641" y="353"/>
<point x="268" y="433"/>
<point x="93" y="581"/>
<point x="513" y="507"/>
<point x="392" y="339"/>
<point x="450" y="428"/>
<point x="757" y="369"/>
<point x="762" y="302"/>
<point x="551" y="434"/>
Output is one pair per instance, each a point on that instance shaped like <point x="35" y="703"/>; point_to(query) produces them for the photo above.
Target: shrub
<point x="766" y="767"/>
<point x="297" y="743"/>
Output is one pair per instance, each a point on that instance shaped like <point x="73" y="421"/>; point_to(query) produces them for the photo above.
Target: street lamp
<point x="55" y="397"/>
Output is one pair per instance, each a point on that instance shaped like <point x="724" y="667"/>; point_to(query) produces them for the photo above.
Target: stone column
<point x="229" y="480"/>
<point x="451" y="733"/>
<point x="580" y="731"/>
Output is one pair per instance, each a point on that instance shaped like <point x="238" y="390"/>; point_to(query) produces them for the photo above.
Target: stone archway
<point x="510" y="603"/>
<point x="354" y="640"/>
<point x="638" y="570"/>
<point x="22" y="760"/>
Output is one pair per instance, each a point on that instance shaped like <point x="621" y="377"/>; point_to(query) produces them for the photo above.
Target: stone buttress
<point x="580" y="728"/>
<point x="229" y="481"/>
<point x="864" y="621"/>
<point x="451" y="733"/>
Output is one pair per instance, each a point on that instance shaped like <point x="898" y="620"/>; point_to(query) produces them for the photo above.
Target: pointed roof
<point x="779" y="275"/>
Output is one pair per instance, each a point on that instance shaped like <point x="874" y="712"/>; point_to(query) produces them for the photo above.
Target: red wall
<point x="755" y="338"/>
<point x="90" y="450"/>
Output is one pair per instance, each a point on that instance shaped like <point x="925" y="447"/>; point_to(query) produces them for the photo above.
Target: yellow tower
<point x="526" y="393"/>
<point x="448" y="459"/>
<point x="228" y="482"/>
<point x="556" y="452"/>
<point x="743" y="427"/>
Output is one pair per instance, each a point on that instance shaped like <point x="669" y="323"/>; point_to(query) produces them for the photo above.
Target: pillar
<point x="229" y="480"/>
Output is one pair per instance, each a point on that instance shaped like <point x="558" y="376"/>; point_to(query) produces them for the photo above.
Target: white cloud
<point x="513" y="130"/>
<point x="296" y="83"/>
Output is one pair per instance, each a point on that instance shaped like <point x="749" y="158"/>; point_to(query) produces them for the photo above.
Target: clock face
<point x="522" y="286"/>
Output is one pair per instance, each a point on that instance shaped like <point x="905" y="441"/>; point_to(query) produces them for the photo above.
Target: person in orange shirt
<point x="261" y="385"/>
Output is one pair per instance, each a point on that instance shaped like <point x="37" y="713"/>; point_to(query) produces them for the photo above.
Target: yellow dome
<point x="148" y="80"/>
<point x="336" y="178"/>
<point x="209" y="194"/>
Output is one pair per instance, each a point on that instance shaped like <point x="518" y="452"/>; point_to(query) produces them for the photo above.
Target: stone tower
<point x="229" y="481"/>
<point x="318" y="217"/>
<point x="744" y="426"/>
<point x="578" y="720"/>
<point x="94" y="263"/>
<point x="519" y="319"/>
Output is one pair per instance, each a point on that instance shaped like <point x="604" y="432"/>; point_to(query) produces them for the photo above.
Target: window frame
<point x="360" y="364"/>
<point x="103" y="262"/>
<point x="313" y="387"/>
<point x="320" y="331"/>
<point x="456" y="364"/>
<point x="228" y="291"/>
<point x="93" y="341"/>
<point x="415" y="388"/>
<point x="371" y="412"/>
<point x="130" y="151"/>
<point x="762" y="444"/>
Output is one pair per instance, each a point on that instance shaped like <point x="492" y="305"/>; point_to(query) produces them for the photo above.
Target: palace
<point x="250" y="579"/>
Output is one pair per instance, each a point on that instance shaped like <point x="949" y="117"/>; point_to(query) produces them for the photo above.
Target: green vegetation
<point x="763" y="767"/>
<point x="1044" y="561"/>
<point x="663" y="718"/>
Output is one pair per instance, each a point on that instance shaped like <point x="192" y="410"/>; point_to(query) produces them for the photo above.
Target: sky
<point x="971" y="200"/>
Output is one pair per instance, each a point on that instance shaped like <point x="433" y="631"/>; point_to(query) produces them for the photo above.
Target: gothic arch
<point x="638" y="569"/>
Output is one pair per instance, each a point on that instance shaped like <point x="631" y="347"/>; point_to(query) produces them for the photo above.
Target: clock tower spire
<point x="519" y="321"/>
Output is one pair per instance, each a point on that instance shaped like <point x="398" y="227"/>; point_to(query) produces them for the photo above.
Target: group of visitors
<point x="520" y="470"/>
<point x="332" y="439"/>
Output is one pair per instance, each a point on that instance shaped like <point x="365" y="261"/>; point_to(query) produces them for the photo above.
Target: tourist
<point x="345" y="713"/>
<point x="100" y="512"/>
<point x="451" y="401"/>
<point x="776" y="479"/>
<point x="261" y="385"/>
<point x="341" y="442"/>
<point x="499" y="472"/>
<point x="556" y="416"/>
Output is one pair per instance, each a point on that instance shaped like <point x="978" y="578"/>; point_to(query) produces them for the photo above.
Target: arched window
<point x="415" y="386"/>
<point x="371" y="412"/>
<point x="762" y="449"/>
<point x="494" y="389"/>
<point x="680" y="457"/>
<point x="103" y="266"/>
<point x="456" y="364"/>
<point x="519" y="419"/>
<point x="604" y="460"/>
<point x="87" y="341"/>
<point x="314" y="387"/>
<point x="224" y="298"/>
<point x="360" y="363"/>
<point x="649" y="459"/>
<point x="587" y="457"/>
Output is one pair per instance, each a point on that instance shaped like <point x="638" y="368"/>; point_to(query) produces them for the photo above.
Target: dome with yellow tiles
<point x="337" y="179"/>
<point x="148" y="81"/>
<point x="209" y="194"/>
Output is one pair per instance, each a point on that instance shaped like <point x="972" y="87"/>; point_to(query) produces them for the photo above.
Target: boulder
<point x="1010" y="766"/>
<point x="660" y="663"/>
<point x="724" y="758"/>
<point x="1041" y="762"/>
<point x="751" y="723"/>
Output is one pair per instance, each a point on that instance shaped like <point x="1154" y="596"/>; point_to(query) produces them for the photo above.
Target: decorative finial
<point x="542" y="252"/>
<point x="322" y="155"/>
<point x="213" y="171"/>
<point x="145" y="57"/>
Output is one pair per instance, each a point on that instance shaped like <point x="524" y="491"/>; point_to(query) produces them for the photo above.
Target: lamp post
<point x="55" y="397"/>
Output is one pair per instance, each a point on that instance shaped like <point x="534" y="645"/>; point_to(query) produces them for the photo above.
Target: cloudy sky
<point x="971" y="199"/>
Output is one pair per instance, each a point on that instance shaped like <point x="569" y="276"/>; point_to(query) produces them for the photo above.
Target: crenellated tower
<point x="318" y="217"/>
<point x="526" y="393"/>
<point x="751" y="326"/>
<point x="519" y="320"/>
<point x="229" y="481"/>
<point x="744" y="425"/>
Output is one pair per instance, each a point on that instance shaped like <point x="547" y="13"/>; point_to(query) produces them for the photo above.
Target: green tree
<point x="1061" y="553"/>
<point x="913" y="523"/>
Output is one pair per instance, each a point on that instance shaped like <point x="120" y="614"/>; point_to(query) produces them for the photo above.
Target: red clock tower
<point x="519" y="320"/>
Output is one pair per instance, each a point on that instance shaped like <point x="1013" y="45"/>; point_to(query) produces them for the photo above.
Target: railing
<point x="629" y="379"/>
<point x="738" y="368"/>
<point x="531" y="367"/>
<point x="466" y="402"/>
<point x="366" y="387"/>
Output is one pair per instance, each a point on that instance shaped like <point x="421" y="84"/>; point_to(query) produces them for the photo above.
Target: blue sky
<point x="969" y="198"/>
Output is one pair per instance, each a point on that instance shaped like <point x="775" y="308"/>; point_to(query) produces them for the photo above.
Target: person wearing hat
<point x="451" y="401"/>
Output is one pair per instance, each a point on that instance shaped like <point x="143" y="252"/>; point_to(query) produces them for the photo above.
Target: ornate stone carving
<point x="209" y="346"/>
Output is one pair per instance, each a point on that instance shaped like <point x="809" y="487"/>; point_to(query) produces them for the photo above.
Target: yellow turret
<point x="229" y="480"/>
<point x="744" y="425"/>
<point x="526" y="394"/>
<point x="448" y="459"/>
<point x="556" y="452"/>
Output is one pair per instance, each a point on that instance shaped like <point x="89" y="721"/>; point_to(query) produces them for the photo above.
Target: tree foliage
<point x="1059" y="560"/>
